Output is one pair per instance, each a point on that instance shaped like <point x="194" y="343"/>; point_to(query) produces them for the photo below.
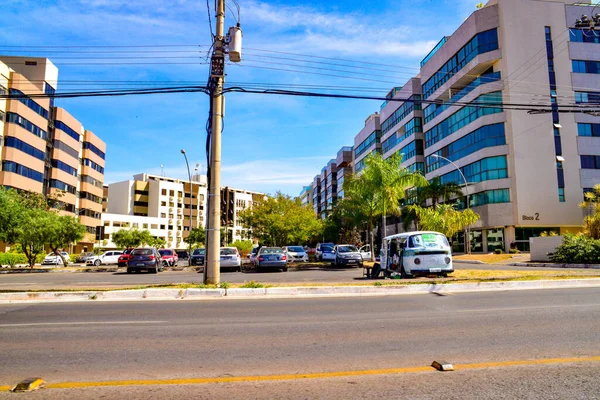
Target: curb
<point x="556" y="265"/>
<point x="468" y="261"/>
<point x="290" y="292"/>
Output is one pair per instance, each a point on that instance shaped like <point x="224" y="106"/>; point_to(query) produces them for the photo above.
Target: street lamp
<point x="190" y="224"/>
<point x="467" y="235"/>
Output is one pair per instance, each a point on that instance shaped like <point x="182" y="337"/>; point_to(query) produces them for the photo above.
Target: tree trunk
<point x="371" y="239"/>
<point x="55" y="251"/>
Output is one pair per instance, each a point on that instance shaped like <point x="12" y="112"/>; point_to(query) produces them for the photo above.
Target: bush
<point x="73" y="257"/>
<point x="252" y="285"/>
<point x="243" y="246"/>
<point x="513" y="251"/>
<point x="11" y="260"/>
<point x="578" y="249"/>
<point x="498" y="251"/>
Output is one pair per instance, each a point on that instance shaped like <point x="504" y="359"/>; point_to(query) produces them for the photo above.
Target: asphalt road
<point x="165" y="340"/>
<point x="99" y="280"/>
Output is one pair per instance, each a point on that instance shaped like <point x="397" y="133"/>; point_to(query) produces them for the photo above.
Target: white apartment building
<point x="234" y="201"/>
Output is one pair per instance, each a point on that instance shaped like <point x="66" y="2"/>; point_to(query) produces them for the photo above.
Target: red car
<point x="124" y="258"/>
<point x="170" y="256"/>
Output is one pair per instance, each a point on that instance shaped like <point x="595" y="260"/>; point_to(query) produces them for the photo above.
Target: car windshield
<point x="255" y="250"/>
<point x="165" y="252"/>
<point x="141" y="252"/>
<point x="296" y="249"/>
<point x="271" y="250"/>
<point x="346" y="249"/>
<point x="227" y="251"/>
<point x="198" y="252"/>
<point x="327" y="248"/>
<point x="429" y="240"/>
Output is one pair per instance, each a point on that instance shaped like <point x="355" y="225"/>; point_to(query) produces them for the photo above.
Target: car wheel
<point x="154" y="270"/>
<point x="403" y="273"/>
<point x="129" y="271"/>
<point x="285" y="269"/>
<point x="97" y="263"/>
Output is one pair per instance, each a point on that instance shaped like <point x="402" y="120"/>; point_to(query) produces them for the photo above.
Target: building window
<point x="91" y="197"/>
<point x="588" y="129"/>
<point x="69" y="131"/>
<point x="483" y="42"/>
<point x="23" y="98"/>
<point x="163" y="192"/>
<point x="367" y="143"/>
<point x="90" y="180"/>
<point x="89" y="163"/>
<point x="486" y="136"/>
<point x="586" y="67"/>
<point x="487" y="197"/>
<point x="13" y="118"/>
<point x="495" y="239"/>
<point x="584" y="35"/>
<point x="10" y="166"/>
<point x="561" y="194"/>
<point x="590" y="162"/>
<point x="414" y="148"/>
<point x="64" y="167"/>
<point x="587" y="97"/>
<point x="55" y="183"/>
<point x="24" y="147"/>
<point x="402" y="112"/>
<point x="66" y="148"/>
<point x="94" y="149"/>
<point x="463" y="117"/>
<point x="486" y="169"/>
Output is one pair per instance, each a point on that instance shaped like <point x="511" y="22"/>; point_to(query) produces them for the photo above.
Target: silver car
<point x="271" y="257"/>
<point x="230" y="258"/>
<point x="347" y="255"/>
<point x="295" y="253"/>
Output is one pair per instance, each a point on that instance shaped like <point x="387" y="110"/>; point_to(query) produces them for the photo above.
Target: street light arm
<point x="461" y="174"/>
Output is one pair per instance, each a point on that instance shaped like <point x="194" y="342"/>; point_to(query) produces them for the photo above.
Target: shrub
<point x="73" y="257"/>
<point x="12" y="260"/>
<point x="243" y="246"/>
<point x="513" y="251"/>
<point x="252" y="285"/>
<point x="498" y="251"/>
<point x="578" y="249"/>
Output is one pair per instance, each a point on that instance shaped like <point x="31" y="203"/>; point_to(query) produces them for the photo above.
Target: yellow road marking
<point x="321" y="375"/>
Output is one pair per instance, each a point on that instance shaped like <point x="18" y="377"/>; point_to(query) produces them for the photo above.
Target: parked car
<point x="365" y="252"/>
<point x="231" y="258"/>
<point x="145" y="258"/>
<point x="106" y="258"/>
<point x="183" y="254"/>
<point x="53" y="259"/>
<point x="83" y="257"/>
<point x="198" y="257"/>
<point x="169" y="255"/>
<point x="252" y="255"/>
<point x="271" y="257"/>
<point x="295" y="253"/>
<point x="324" y="252"/>
<point x="347" y="254"/>
<point x="124" y="258"/>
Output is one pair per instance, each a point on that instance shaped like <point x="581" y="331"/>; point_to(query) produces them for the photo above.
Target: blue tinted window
<point x="25" y="124"/>
<point x="23" y="98"/>
<point x="584" y="36"/>
<point x="63" y="127"/>
<point x="586" y="67"/>
<point x="66" y="148"/>
<point x="485" y="169"/>
<point x="89" y="163"/>
<point x="486" y="197"/>
<point x="401" y="113"/>
<point x="481" y="43"/>
<point x="588" y="129"/>
<point x="464" y="116"/>
<point x="590" y="162"/>
<point x="24" y="147"/>
<point x="55" y="183"/>
<point x="587" y="97"/>
<point x="64" y="167"/>
<point x="486" y="136"/>
<point x="9" y="166"/>
<point x="94" y="149"/>
<point x="368" y="142"/>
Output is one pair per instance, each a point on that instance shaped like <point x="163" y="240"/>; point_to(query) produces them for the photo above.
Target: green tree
<point x="242" y="245"/>
<point x="34" y="232"/>
<point x="129" y="238"/>
<point x="63" y="230"/>
<point x="444" y="218"/>
<point x="281" y="220"/>
<point x="591" y="222"/>
<point x="377" y="191"/>
<point x="437" y="190"/>
<point x="197" y="237"/>
<point x="11" y="215"/>
<point x="157" y="242"/>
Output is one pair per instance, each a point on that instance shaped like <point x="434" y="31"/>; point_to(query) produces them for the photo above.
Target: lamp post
<point x="467" y="235"/>
<point x="190" y="224"/>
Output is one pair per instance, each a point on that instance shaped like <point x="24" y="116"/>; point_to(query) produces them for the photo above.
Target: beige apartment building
<point x="44" y="149"/>
<point x="526" y="172"/>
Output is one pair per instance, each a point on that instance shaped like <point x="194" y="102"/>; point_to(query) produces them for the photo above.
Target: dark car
<point x="271" y="257"/>
<point x="83" y="257"/>
<point x="147" y="258"/>
<point x="198" y="257"/>
<point x="183" y="254"/>
<point x="347" y="255"/>
<point x="124" y="258"/>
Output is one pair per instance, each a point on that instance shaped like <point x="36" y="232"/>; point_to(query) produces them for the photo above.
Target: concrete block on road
<point x="134" y="294"/>
<point x="204" y="293"/>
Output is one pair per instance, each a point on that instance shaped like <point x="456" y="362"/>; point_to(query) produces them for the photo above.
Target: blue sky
<point x="270" y="142"/>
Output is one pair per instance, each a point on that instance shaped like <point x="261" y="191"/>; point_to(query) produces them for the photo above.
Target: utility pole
<point x="213" y="266"/>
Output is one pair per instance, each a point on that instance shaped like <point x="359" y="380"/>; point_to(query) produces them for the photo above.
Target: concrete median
<point x="298" y="291"/>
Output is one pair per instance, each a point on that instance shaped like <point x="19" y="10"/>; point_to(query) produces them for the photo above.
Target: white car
<point x="295" y="253"/>
<point x="53" y="259"/>
<point x="108" y="257"/>
<point x="230" y="258"/>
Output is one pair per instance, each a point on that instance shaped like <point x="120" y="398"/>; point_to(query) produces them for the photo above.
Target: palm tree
<point x="379" y="189"/>
<point x="391" y="181"/>
<point x="437" y="190"/>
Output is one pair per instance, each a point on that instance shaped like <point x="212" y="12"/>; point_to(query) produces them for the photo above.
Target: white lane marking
<point x="529" y="308"/>
<point x="82" y="323"/>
